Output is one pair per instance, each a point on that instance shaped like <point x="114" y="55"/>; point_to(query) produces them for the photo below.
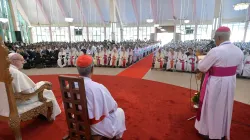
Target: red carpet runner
<point x="154" y="111"/>
<point x="139" y="69"/>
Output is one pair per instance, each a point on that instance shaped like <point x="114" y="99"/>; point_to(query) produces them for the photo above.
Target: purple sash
<point x="213" y="71"/>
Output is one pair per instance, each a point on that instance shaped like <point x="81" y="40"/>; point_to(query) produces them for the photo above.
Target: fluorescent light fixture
<point x="159" y="27"/>
<point x="186" y="21"/>
<point x="162" y="30"/>
<point x="156" y="25"/>
<point x="150" y="20"/>
<point x="241" y="6"/>
<point x="30" y="26"/>
<point x="4" y="20"/>
<point x="69" y="19"/>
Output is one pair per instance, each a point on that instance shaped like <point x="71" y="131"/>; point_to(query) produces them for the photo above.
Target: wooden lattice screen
<point x="75" y="106"/>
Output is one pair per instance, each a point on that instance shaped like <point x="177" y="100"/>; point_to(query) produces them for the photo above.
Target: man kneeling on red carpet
<point x="106" y="118"/>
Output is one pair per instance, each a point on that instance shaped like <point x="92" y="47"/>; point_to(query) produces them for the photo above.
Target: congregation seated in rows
<point x="179" y="57"/>
<point x="63" y="54"/>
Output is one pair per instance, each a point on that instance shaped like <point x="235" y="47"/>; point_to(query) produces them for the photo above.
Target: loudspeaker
<point x="18" y="36"/>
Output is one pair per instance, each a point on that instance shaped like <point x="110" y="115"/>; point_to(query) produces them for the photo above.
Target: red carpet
<point x="154" y="111"/>
<point x="139" y="69"/>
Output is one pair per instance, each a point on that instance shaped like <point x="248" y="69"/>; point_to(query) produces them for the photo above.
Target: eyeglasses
<point x="22" y="60"/>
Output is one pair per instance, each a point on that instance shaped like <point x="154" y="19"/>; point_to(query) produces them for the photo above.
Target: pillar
<point x="217" y="21"/>
<point x="121" y="30"/>
<point x="138" y="32"/>
<point x="245" y="32"/>
<point x="112" y="13"/>
<point x="69" y="33"/>
<point x="195" y="30"/>
<point x="87" y="30"/>
<point x="31" y="35"/>
<point x="50" y="33"/>
<point x="174" y="35"/>
<point x="105" y="33"/>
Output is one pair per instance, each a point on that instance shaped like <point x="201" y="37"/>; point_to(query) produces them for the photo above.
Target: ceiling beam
<point x="39" y="2"/>
<point x="118" y="15"/>
<point x="81" y="11"/>
<point x="173" y="9"/>
<point x="99" y="11"/>
<point x="22" y="12"/>
<point x="154" y="11"/>
<point x="194" y="10"/>
<point x="59" y="3"/>
<point x="135" y="11"/>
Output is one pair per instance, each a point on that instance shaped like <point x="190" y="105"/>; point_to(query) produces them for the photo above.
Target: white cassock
<point x="73" y="58"/>
<point x="135" y="54"/>
<point x="171" y="60"/>
<point x="61" y="61"/>
<point x="97" y="59"/>
<point x="102" y="106"/>
<point x="114" y="58"/>
<point x="181" y="62"/>
<point x="217" y="104"/>
<point x="104" y="57"/>
<point x="22" y="83"/>
<point x="246" y="69"/>
<point x="159" y="60"/>
<point x="69" y="57"/>
<point x="191" y="63"/>
<point x="130" y="56"/>
<point x="123" y="58"/>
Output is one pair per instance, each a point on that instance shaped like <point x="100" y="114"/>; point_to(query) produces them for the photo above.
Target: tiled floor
<point x="242" y="93"/>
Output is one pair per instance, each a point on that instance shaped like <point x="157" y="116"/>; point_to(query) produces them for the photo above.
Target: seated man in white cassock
<point x="105" y="117"/>
<point x="191" y="61"/>
<point x="181" y="61"/>
<point x="246" y="69"/>
<point x="97" y="59"/>
<point x="114" y="58"/>
<point x="171" y="59"/>
<point x="159" y="59"/>
<point x="123" y="58"/>
<point x="22" y="83"/>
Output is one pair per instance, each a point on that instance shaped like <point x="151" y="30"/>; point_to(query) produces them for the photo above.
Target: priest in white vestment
<point x="171" y="59"/>
<point x="191" y="61"/>
<point x="123" y="59"/>
<point x="97" y="59"/>
<point x="246" y="69"/>
<point x="114" y="58"/>
<point x="104" y="57"/>
<point x="22" y="83"/>
<point x="181" y="61"/>
<point x="130" y="56"/>
<point x="217" y="94"/>
<point x="105" y="117"/>
<point x="159" y="60"/>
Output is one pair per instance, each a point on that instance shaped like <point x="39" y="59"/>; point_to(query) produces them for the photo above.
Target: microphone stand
<point x="197" y="106"/>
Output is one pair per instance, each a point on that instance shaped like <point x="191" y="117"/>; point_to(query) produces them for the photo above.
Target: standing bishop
<point x="217" y="93"/>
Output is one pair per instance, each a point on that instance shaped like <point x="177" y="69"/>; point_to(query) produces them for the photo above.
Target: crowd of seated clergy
<point x="183" y="56"/>
<point x="63" y="54"/>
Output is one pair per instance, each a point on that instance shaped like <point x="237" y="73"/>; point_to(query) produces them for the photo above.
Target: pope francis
<point x="22" y="83"/>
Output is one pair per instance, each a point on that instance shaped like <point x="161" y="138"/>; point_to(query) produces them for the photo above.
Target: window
<point x="237" y="31"/>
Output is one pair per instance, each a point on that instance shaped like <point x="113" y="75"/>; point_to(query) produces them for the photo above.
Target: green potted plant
<point x="195" y="98"/>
